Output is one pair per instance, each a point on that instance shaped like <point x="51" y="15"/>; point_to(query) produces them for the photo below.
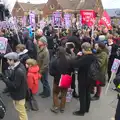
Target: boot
<point x="94" y="98"/>
<point x="54" y="110"/>
<point x="75" y="94"/>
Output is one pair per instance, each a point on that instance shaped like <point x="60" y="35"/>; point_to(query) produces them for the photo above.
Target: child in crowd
<point x="33" y="77"/>
<point x="23" y="53"/>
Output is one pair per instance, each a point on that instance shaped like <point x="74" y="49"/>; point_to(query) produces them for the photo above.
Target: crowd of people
<point x="56" y="53"/>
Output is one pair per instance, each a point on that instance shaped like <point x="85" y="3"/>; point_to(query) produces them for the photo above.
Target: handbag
<point x="2" y="109"/>
<point x="65" y="81"/>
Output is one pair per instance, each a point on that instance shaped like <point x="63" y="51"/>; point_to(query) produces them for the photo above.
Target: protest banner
<point x="3" y="45"/>
<point x="67" y="20"/>
<point x="106" y="20"/>
<point x="114" y="70"/>
<point x="88" y="17"/>
<point x="57" y="19"/>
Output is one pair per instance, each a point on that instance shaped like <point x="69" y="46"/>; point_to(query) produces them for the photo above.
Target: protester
<point x="33" y="77"/>
<point x="23" y="53"/>
<point x="84" y="82"/>
<point x="61" y="65"/>
<point x="17" y="84"/>
<point x="102" y="56"/>
<point x="43" y="62"/>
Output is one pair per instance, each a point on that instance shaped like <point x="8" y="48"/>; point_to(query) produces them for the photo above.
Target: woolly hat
<point x="43" y="39"/>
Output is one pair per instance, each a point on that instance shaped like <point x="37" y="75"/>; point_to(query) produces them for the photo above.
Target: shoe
<point x="40" y="94"/>
<point x="95" y="98"/>
<point x="45" y="96"/>
<point x="54" y="110"/>
<point x="75" y="95"/>
<point x="78" y="113"/>
<point x="62" y="110"/>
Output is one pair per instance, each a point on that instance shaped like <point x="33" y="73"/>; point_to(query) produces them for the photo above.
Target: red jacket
<point x="33" y="78"/>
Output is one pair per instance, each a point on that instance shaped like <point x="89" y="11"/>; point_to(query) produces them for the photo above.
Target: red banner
<point x="88" y="17"/>
<point x="105" y="20"/>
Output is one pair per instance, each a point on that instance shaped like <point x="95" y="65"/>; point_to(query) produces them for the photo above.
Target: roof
<point x="68" y="4"/>
<point x="86" y="4"/>
<point x="29" y="6"/>
<point x="77" y="4"/>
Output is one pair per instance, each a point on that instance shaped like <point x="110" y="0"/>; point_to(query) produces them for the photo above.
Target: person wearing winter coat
<point x="71" y="46"/>
<point x="17" y="84"/>
<point x="50" y="42"/>
<point x="43" y="62"/>
<point x="23" y="53"/>
<point x="33" y="75"/>
<point x="32" y="48"/>
<point x="102" y="57"/>
<point x="59" y="66"/>
<point x="83" y="64"/>
<point x="112" y="54"/>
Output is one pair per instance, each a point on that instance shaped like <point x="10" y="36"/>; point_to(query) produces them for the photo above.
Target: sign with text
<point x="3" y="44"/>
<point x="88" y="17"/>
<point x="67" y="18"/>
<point x="105" y="20"/>
<point x="57" y="18"/>
<point x="115" y="65"/>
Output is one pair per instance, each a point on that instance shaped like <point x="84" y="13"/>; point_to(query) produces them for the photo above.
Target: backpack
<point x="94" y="70"/>
<point x="2" y="109"/>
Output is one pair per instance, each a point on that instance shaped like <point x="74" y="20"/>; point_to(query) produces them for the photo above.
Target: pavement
<point x="104" y="109"/>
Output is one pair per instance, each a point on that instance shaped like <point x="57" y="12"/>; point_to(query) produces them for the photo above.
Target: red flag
<point x="105" y="20"/>
<point x="88" y="17"/>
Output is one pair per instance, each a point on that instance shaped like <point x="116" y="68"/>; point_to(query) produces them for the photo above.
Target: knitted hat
<point x="12" y="56"/>
<point x="43" y="39"/>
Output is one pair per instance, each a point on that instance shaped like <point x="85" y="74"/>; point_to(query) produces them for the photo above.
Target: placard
<point x="57" y="18"/>
<point x="67" y="18"/>
<point x="3" y="44"/>
<point x="115" y="65"/>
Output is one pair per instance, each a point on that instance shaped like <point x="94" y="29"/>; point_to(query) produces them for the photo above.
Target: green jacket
<point x="103" y="61"/>
<point x="43" y="59"/>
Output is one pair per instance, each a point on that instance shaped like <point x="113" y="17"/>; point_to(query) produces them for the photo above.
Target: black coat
<point x="32" y="49"/>
<point x="56" y="70"/>
<point x="83" y="64"/>
<point x="50" y="42"/>
<point x="17" y="84"/>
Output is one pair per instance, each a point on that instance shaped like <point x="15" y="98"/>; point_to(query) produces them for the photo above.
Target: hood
<point x="34" y="69"/>
<point x="24" y="52"/>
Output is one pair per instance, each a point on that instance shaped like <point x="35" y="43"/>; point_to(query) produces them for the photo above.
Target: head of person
<point x="20" y="48"/>
<point x="38" y="34"/>
<point x="62" y="62"/>
<point x="100" y="46"/>
<point x="69" y="46"/>
<point x="31" y="63"/>
<point x="86" y="48"/>
<point x="110" y="39"/>
<point x="12" y="58"/>
<point x="61" y="52"/>
<point x="42" y="42"/>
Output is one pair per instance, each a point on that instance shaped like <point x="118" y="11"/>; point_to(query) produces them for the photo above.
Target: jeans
<point x="20" y="107"/>
<point x="46" y="87"/>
